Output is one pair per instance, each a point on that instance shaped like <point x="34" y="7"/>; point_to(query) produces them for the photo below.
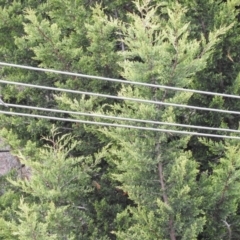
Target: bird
<point x="2" y="102"/>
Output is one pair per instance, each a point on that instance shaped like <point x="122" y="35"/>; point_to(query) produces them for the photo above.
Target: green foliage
<point x="222" y="185"/>
<point x="33" y="226"/>
<point x="155" y="171"/>
<point x="63" y="35"/>
<point x="220" y="74"/>
<point x="108" y="183"/>
<point x="55" y="200"/>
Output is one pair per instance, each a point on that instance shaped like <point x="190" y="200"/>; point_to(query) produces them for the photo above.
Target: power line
<point x="122" y="98"/>
<point x="118" y="80"/>
<point x="119" y="125"/>
<point x="123" y="118"/>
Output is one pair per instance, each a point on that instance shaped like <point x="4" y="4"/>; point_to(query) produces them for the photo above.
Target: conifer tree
<point x="61" y="35"/>
<point x="56" y="35"/>
<point x="54" y="201"/>
<point x="175" y="186"/>
<point x="221" y="73"/>
<point x="154" y="168"/>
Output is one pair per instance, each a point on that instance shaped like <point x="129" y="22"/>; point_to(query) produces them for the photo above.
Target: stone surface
<point x="7" y="160"/>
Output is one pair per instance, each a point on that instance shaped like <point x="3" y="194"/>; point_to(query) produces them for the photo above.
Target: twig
<point x="165" y="198"/>
<point x="229" y="229"/>
<point x="82" y="208"/>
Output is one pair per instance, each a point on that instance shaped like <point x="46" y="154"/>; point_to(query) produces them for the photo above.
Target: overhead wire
<point x="123" y="118"/>
<point x="122" y="98"/>
<point x="119" y="125"/>
<point x="117" y="80"/>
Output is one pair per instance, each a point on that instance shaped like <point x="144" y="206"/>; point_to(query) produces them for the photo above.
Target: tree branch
<point x="228" y="228"/>
<point x="165" y="198"/>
